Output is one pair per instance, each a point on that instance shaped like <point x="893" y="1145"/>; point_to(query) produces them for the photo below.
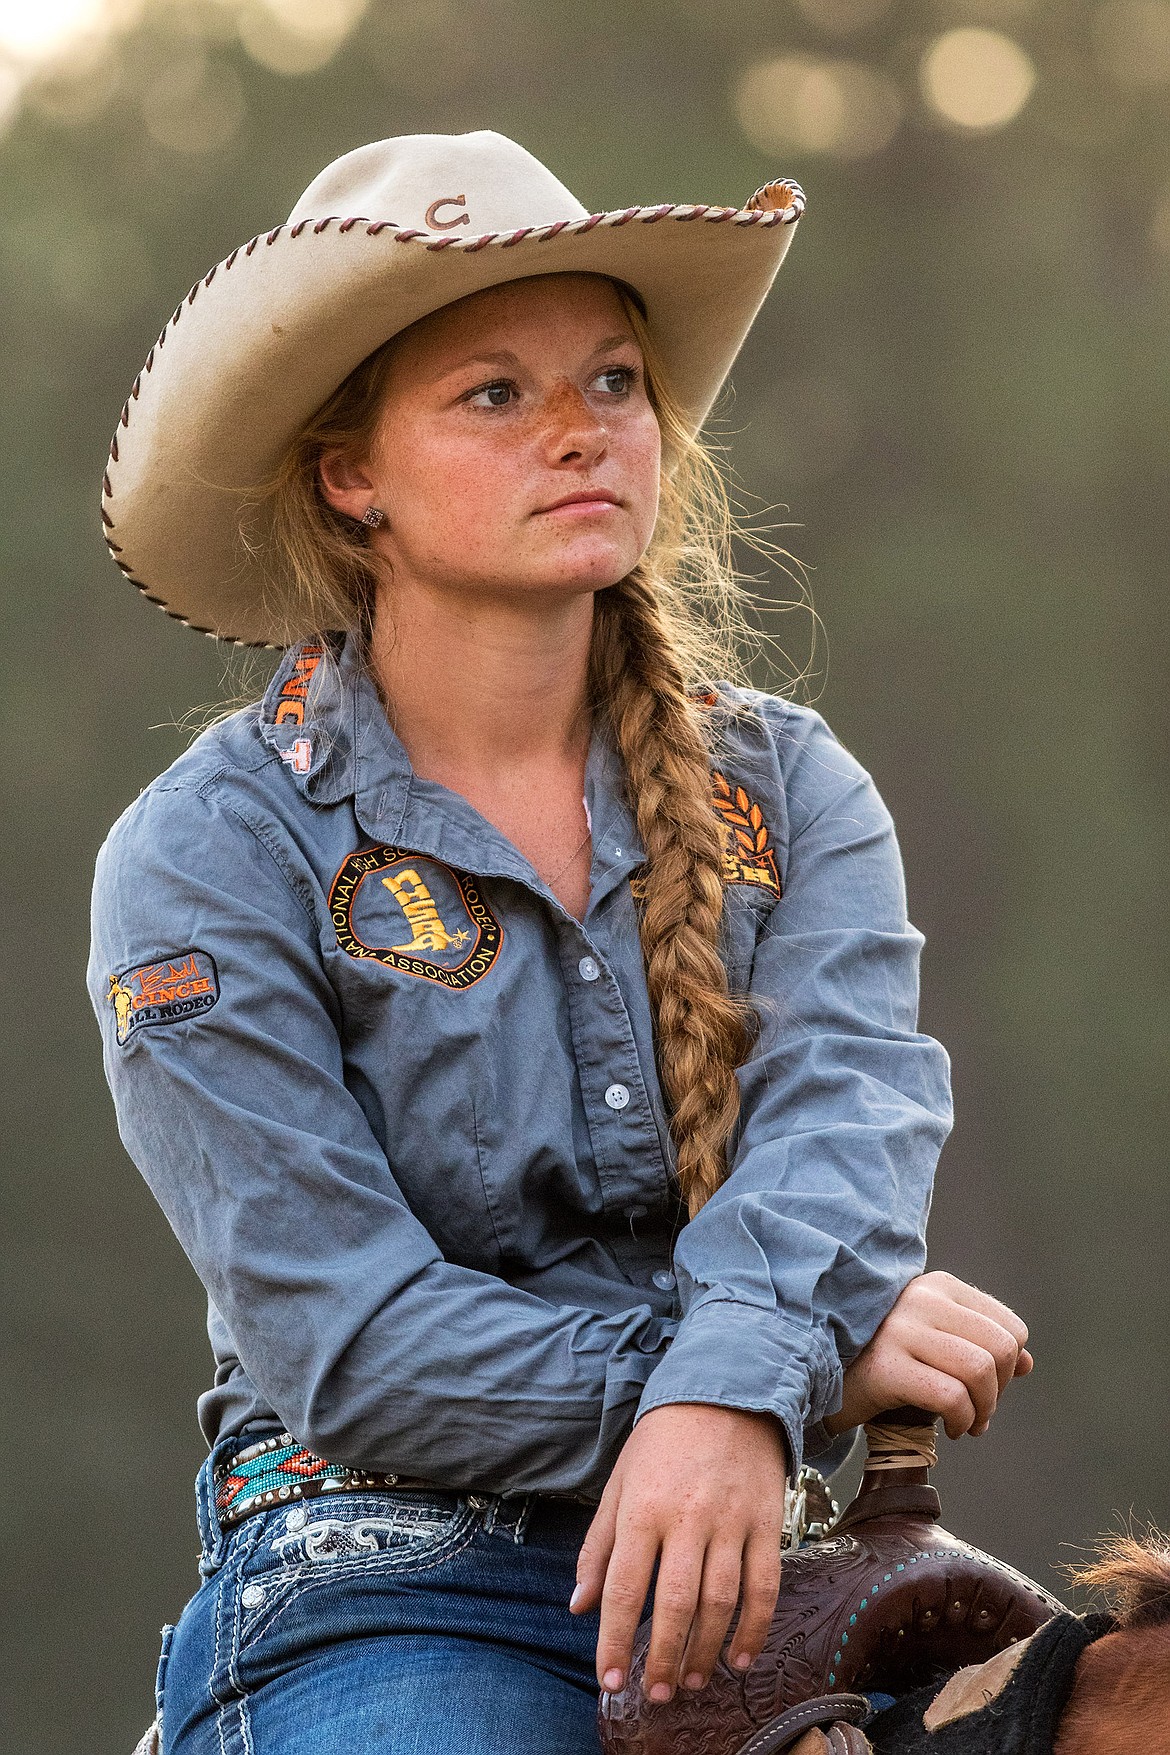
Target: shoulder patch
<point x="166" y="992"/>
<point x="748" y="857"/>
<point x="421" y="917"/>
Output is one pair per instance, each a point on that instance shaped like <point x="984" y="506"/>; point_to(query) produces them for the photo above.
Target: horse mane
<point x="1133" y="1577"/>
<point x="1121" y="1696"/>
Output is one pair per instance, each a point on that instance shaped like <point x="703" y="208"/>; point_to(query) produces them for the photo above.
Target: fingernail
<point x="661" y="1691"/>
<point x="612" y="1680"/>
<point x="693" y="1680"/>
<point x="742" y="1660"/>
<point x="576" y="1596"/>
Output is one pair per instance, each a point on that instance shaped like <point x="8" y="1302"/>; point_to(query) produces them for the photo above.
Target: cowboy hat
<point x="383" y="236"/>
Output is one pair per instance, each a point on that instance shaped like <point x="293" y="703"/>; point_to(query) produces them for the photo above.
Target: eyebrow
<point x="505" y="357"/>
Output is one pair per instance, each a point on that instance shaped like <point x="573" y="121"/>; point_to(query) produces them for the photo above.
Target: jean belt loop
<point x="213" y="1541"/>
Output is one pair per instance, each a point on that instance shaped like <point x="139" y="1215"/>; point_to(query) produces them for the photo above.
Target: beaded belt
<point x="278" y="1470"/>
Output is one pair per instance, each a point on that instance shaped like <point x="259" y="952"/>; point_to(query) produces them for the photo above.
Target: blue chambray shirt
<point x="401" y="1110"/>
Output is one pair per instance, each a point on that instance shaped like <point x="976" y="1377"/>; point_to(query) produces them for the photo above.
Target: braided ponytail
<point x="657" y="637"/>
<point x="702" y="1031"/>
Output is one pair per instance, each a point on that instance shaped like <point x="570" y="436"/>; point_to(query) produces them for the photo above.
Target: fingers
<point x="940" y="1392"/>
<point x="989" y="1337"/>
<point x="985" y="1305"/>
<point x="681" y="1598"/>
<point x="594" y="1554"/>
<point x="623" y="1597"/>
<point x="761" y="1586"/>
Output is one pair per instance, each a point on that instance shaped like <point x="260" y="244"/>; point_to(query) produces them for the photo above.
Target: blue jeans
<point x="403" y="1623"/>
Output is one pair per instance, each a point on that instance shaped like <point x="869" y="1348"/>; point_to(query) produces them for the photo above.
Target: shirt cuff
<point x="735" y="1355"/>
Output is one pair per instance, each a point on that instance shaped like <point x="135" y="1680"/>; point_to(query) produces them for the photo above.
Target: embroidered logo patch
<point x="290" y="709"/>
<point x="747" y="853"/>
<point x="300" y="756"/>
<point x="165" y="992"/>
<point x="413" y="913"/>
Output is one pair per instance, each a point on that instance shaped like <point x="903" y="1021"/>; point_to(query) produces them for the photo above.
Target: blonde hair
<point x="659" y="638"/>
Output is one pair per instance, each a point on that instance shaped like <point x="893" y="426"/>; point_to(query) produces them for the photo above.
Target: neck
<point x="476" y="683"/>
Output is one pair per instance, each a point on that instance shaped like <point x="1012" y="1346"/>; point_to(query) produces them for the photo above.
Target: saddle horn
<point x="882" y="1600"/>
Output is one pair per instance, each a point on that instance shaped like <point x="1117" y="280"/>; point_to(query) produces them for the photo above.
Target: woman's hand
<point x="945" y="1347"/>
<point x="701" y="1489"/>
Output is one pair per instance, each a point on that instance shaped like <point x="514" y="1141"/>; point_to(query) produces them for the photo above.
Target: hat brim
<point x="261" y="341"/>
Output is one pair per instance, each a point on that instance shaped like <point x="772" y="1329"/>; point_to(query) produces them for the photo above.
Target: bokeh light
<point x="977" y="78"/>
<point x="32" y="31"/>
<point x="297" y="36"/>
<point x="1132" y="40"/>
<point x="806" y="103"/>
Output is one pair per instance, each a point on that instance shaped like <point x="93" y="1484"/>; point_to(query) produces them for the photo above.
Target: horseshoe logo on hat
<point x="435" y="224"/>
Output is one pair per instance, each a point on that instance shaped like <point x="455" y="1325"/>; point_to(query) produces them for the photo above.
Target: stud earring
<point x="373" y="516"/>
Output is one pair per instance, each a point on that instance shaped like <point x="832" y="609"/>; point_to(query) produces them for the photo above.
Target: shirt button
<point x="663" y="1279"/>
<point x="588" y="969"/>
<point x="617" y="1096"/>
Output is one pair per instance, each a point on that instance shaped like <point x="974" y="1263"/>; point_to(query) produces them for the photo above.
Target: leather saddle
<point x="879" y="1599"/>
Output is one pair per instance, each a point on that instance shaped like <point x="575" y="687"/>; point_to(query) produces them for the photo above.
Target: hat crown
<point x="464" y="184"/>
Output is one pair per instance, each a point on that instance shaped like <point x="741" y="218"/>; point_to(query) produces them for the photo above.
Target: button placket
<point x="627" y="1151"/>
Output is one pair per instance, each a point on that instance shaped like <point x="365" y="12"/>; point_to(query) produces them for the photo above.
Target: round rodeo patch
<point x="413" y="913"/>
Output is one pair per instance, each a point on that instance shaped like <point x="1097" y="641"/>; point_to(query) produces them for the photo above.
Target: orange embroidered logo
<point x="163" y="993"/>
<point x="435" y="224"/>
<point x="290" y="709"/>
<point x="423" y="917"/>
<point x="747" y="856"/>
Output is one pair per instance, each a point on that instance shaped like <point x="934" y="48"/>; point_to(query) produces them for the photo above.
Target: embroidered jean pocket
<point x="344" y="1537"/>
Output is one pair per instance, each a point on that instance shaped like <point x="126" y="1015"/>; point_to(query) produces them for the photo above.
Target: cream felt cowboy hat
<point x="384" y="235"/>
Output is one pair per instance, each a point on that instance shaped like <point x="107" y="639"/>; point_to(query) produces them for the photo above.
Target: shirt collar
<point x="323" y="715"/>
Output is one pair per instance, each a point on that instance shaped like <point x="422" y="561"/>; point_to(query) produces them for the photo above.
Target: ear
<point x="346" y="484"/>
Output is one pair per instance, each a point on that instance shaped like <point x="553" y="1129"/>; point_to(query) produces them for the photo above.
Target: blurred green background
<point x="957" y="395"/>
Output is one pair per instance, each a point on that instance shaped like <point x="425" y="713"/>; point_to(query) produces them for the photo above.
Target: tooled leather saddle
<point x="879" y="1599"/>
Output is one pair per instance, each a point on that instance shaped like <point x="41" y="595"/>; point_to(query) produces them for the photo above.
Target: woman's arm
<point x="790" y="1267"/>
<point x="369" y="1346"/>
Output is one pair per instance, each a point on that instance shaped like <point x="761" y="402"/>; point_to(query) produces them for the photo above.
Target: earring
<point x="373" y="516"/>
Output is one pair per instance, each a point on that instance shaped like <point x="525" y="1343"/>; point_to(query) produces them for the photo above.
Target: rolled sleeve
<point x="370" y="1347"/>
<point x="790" y="1267"/>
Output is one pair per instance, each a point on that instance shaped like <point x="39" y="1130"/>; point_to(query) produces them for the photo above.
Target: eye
<point x="616" y="380"/>
<point x="497" y="394"/>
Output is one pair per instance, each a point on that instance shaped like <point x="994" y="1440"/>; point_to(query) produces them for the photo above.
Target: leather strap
<point x="781" y="1732"/>
<point x="894" y="1501"/>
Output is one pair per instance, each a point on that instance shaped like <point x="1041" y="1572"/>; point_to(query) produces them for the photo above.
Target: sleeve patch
<point x="166" y="992"/>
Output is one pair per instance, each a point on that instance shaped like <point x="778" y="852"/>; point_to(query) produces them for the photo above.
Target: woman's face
<point x="516" y="448"/>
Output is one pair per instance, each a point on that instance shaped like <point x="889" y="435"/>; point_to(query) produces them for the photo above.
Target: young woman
<point x="515" y="1019"/>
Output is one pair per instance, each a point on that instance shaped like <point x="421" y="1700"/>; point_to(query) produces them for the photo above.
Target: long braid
<point x="703" y="1033"/>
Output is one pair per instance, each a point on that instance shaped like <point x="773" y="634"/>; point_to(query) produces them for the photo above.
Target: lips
<point x="587" y="497"/>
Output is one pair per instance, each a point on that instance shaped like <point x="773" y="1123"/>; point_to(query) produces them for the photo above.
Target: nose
<point x="574" y="434"/>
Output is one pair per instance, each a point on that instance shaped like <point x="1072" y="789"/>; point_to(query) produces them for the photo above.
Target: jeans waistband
<point x="245" y="1475"/>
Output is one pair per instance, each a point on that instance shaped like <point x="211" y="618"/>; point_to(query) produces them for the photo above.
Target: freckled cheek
<point x="462" y="491"/>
